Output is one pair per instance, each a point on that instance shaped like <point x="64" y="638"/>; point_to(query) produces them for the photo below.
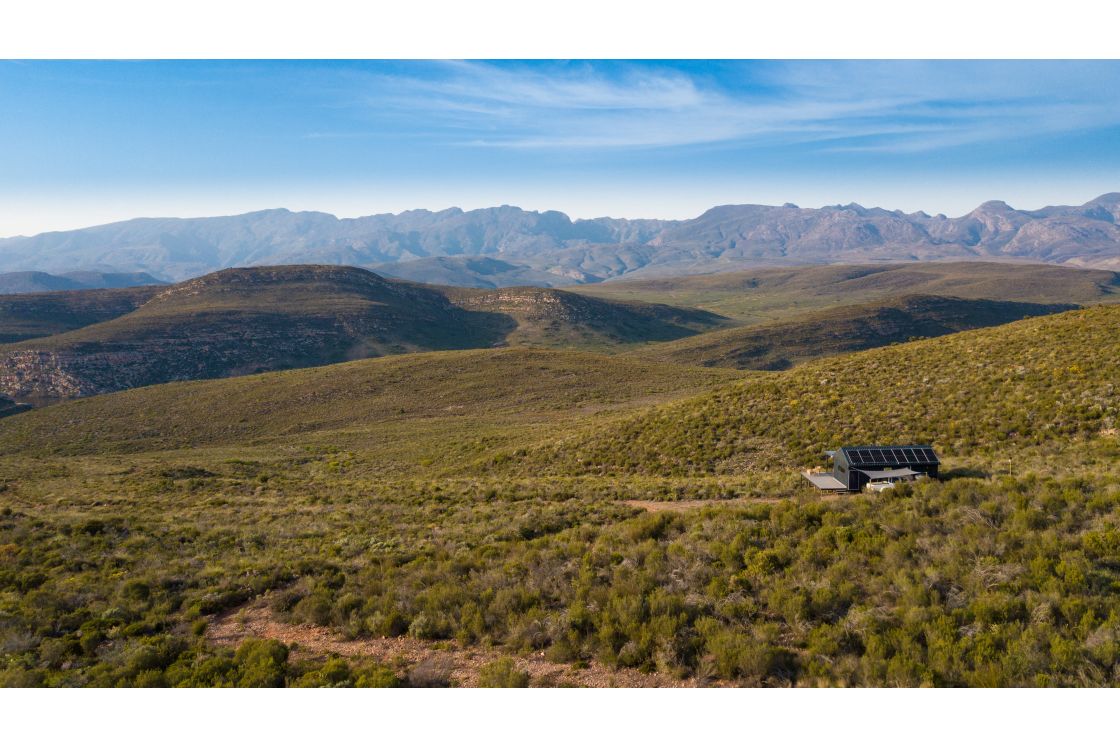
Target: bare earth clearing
<point x="256" y="620"/>
<point x="676" y="506"/>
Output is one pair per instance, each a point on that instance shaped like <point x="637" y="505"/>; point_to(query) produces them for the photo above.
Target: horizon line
<point x="452" y="208"/>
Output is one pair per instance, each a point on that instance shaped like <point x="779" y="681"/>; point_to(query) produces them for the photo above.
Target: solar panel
<point x="889" y="456"/>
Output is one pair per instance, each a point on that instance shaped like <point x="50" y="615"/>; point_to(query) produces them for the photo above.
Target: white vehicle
<point x="879" y="484"/>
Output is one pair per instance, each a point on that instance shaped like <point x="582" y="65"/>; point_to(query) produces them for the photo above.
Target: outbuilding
<point x="853" y="467"/>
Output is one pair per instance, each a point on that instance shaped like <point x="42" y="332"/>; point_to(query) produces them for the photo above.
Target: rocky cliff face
<point x="38" y="373"/>
<point x="562" y="307"/>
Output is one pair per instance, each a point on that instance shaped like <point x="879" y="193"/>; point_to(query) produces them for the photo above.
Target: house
<point x="854" y="467"/>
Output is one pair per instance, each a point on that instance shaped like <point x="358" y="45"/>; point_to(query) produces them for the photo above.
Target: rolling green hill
<point x="28" y="315"/>
<point x="1030" y="382"/>
<point x="775" y="293"/>
<point x="557" y="318"/>
<point x="507" y="385"/>
<point x="242" y="321"/>
<point x="841" y="329"/>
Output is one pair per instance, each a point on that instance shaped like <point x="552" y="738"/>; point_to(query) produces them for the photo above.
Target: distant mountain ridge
<point x="548" y="248"/>
<point x="39" y="282"/>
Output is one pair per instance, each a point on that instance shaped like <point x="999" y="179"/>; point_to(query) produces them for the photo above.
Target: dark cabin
<point x="855" y="466"/>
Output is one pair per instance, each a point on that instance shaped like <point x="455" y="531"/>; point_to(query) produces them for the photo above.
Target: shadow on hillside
<point x="973" y="472"/>
<point x="484" y="329"/>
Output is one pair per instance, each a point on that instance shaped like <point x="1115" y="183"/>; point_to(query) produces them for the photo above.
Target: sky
<point x="90" y="142"/>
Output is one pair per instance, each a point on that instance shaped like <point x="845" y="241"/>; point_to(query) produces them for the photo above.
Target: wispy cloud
<point x="843" y="106"/>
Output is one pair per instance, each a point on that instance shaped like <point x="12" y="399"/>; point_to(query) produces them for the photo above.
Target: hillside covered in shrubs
<point x="973" y="394"/>
<point x="486" y="501"/>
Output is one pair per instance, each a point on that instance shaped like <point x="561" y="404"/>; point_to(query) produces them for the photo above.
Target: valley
<point x="242" y="321"/>
<point x="771" y="294"/>
<point x="840" y="329"/>
<point x="617" y="372"/>
<point x="457" y="516"/>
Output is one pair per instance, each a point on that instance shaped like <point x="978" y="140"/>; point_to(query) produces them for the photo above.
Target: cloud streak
<point x="889" y="107"/>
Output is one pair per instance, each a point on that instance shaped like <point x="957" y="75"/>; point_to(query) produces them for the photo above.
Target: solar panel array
<point x="898" y="455"/>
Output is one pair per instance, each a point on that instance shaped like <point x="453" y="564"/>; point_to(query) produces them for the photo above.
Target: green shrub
<point x="376" y="675"/>
<point x="261" y="663"/>
<point x="502" y="672"/>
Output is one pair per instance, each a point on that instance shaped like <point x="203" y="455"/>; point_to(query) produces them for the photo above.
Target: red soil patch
<point x="256" y="620"/>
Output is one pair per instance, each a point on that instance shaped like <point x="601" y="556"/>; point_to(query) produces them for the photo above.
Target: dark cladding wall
<point x="850" y="462"/>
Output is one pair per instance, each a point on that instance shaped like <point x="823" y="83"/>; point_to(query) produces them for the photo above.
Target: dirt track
<point x="658" y="506"/>
<point x="255" y="620"/>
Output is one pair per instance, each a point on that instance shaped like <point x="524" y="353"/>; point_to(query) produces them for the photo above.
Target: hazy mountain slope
<point x="729" y="236"/>
<point x="779" y="345"/>
<point x="95" y="279"/>
<point x="775" y="293"/>
<point x="181" y="248"/>
<point x="28" y="315"/>
<point x="39" y="282"/>
<point x="1087" y="234"/>
<point x="370" y="394"/>
<point x="1024" y="383"/>
<point x="474" y="272"/>
<point x="247" y="320"/>
<point x="35" y="282"/>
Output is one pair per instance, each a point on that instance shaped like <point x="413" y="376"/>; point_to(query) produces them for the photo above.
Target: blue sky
<point x="89" y="142"/>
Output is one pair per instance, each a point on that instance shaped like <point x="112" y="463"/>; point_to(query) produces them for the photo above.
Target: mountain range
<point x="40" y="282"/>
<point x="504" y="246"/>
